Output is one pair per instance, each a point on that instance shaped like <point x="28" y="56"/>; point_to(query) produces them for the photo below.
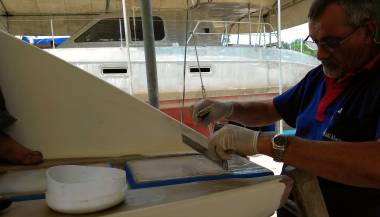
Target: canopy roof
<point x="32" y="17"/>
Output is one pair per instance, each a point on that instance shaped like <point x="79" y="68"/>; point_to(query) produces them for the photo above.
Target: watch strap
<point x="279" y="144"/>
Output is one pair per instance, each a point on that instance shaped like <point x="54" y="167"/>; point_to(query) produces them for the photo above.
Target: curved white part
<point x="257" y="200"/>
<point x="83" y="189"/>
<point x="65" y="112"/>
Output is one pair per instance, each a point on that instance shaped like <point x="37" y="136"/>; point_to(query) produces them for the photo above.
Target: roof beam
<point x="4" y="17"/>
<point x="107" y="6"/>
<point x="53" y="14"/>
<point x="4" y="9"/>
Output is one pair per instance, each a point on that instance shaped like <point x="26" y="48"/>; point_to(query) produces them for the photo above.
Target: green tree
<point x="285" y="45"/>
<point x="296" y="46"/>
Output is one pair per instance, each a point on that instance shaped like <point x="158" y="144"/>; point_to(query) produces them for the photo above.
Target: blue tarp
<point x="45" y="40"/>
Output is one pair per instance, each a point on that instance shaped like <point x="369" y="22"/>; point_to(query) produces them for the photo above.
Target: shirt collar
<point x="372" y="62"/>
<point x="368" y="67"/>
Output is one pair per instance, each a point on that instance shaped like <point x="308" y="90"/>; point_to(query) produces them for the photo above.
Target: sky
<point x="291" y="34"/>
<point x="287" y="35"/>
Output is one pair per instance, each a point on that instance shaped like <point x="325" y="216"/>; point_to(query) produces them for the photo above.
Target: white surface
<point x="31" y="181"/>
<point x="83" y="189"/>
<point x="64" y="112"/>
<point x="220" y="198"/>
<point x="27" y="181"/>
<point x="173" y="168"/>
<point x="187" y="166"/>
<point x="258" y="200"/>
<point x="267" y="162"/>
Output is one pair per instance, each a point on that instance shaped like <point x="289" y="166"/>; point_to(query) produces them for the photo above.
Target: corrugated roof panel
<point x="21" y="6"/>
<point x="24" y="13"/>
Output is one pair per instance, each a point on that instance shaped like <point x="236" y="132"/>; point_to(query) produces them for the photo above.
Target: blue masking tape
<point x="246" y="173"/>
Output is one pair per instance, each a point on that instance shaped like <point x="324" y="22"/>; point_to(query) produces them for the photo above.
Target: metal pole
<point x="150" y="53"/>
<point x="52" y="32"/>
<point x="225" y="38"/>
<point x="126" y="28"/>
<point x="121" y="33"/>
<point x="192" y="32"/>
<point x="258" y="33"/>
<point x="270" y="29"/>
<point x="280" y="125"/>
<point x="279" y="24"/>
<point x="238" y="36"/>
<point x="134" y="23"/>
<point x="249" y="21"/>
<point x="265" y="36"/>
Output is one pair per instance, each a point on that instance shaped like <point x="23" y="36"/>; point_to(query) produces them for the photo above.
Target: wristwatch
<point x="279" y="144"/>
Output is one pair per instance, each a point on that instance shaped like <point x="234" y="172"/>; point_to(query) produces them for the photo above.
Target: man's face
<point x="353" y="50"/>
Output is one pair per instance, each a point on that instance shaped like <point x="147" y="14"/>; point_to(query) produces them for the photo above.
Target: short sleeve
<point x="286" y="104"/>
<point x="291" y="102"/>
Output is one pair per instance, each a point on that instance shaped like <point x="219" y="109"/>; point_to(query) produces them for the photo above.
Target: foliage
<point x="296" y="46"/>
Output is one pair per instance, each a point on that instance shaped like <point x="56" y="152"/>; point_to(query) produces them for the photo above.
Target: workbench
<point x="237" y="197"/>
<point x="259" y="196"/>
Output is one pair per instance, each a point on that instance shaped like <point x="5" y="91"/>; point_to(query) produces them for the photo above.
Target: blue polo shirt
<point x="354" y="116"/>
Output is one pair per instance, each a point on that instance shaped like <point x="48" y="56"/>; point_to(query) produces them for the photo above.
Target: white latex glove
<point x="233" y="139"/>
<point x="208" y="111"/>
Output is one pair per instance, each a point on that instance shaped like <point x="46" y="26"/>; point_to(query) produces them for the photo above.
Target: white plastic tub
<point x="84" y="189"/>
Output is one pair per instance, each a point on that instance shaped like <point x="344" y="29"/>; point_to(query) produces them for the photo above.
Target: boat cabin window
<point x="103" y="31"/>
<point x="206" y="30"/>
<point x="109" y="30"/>
<point x="204" y="70"/>
<point x="113" y="71"/>
<point x="137" y="29"/>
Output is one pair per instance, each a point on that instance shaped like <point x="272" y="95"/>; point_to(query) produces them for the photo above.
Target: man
<point x="335" y="110"/>
<point x="10" y="150"/>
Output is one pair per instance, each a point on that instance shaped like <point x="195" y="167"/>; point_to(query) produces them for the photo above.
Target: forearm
<point x="254" y="113"/>
<point x="344" y="162"/>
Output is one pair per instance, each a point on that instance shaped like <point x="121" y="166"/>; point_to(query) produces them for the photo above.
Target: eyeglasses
<point x="330" y="45"/>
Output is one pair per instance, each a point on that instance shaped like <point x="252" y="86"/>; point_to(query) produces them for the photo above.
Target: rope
<point x="185" y="59"/>
<point x="199" y="68"/>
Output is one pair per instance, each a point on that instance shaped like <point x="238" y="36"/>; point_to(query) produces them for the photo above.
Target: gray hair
<point x="358" y="11"/>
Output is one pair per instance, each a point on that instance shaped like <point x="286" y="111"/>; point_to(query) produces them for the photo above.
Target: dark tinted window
<point x="114" y="71"/>
<point x="103" y="31"/>
<point x="110" y="30"/>
<point x="196" y="69"/>
<point x="137" y="31"/>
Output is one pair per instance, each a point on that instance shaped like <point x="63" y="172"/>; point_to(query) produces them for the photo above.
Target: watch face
<point x="279" y="145"/>
<point x="279" y="140"/>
